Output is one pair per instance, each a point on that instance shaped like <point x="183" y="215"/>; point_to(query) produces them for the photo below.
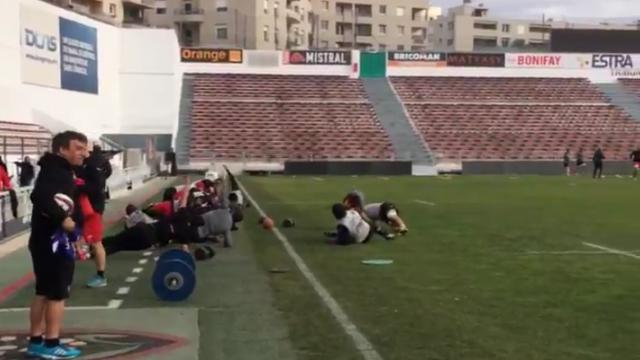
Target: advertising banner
<point x="58" y="52"/>
<point x="475" y="60"/>
<point x="416" y="58"/>
<point x="217" y="56"/>
<point x="317" y="57"/>
<point x="548" y="61"/>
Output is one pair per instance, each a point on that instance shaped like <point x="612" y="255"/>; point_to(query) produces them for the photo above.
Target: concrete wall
<point x="539" y="168"/>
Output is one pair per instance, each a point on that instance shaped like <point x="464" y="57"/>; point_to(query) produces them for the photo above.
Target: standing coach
<point x="53" y="269"/>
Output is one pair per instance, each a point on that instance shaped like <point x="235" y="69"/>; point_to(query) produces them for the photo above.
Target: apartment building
<point x="249" y="24"/>
<point x="116" y="12"/>
<point x="469" y="27"/>
<point x="371" y="24"/>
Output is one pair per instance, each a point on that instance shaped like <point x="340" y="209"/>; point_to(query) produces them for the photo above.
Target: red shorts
<point x="93" y="229"/>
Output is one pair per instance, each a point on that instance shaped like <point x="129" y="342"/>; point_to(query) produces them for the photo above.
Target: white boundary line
<point x="361" y="342"/>
<point x="611" y="250"/>
<point x="424" y="202"/>
<point x="571" y="252"/>
<point x="113" y="304"/>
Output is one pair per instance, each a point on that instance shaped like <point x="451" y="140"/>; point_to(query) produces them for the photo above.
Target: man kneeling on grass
<point x="385" y="213"/>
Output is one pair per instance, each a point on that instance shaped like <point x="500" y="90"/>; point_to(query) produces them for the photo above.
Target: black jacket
<point x="95" y="173"/>
<point x="56" y="176"/>
<point x="26" y="172"/>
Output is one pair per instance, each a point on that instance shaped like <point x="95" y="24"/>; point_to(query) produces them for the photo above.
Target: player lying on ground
<point x="351" y="228"/>
<point x="376" y="214"/>
<point x="386" y="213"/>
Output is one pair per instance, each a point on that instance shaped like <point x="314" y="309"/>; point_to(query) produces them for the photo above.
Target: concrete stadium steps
<point x="407" y="143"/>
<point x="183" y="138"/>
<point x="621" y="97"/>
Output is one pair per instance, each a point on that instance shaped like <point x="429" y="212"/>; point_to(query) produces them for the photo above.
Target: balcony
<point x="193" y="15"/>
<point x="294" y="15"/>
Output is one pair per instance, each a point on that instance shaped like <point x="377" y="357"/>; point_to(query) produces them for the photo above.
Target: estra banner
<point x="549" y="61"/>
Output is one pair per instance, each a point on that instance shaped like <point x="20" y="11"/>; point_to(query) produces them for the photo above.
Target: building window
<point x="339" y="29"/>
<point x="505" y="42"/>
<point x="451" y="26"/>
<point x="221" y="32"/>
<point x="440" y="41"/>
<point x="221" y="5"/>
<point x="400" y="30"/>
<point x="506" y="28"/>
<point x="325" y="5"/>
<point x="382" y="47"/>
<point x="383" y="9"/>
<point x="265" y="33"/>
<point x="324" y="24"/>
<point x="382" y="29"/>
<point x="161" y="10"/>
<point x="450" y="42"/>
<point x="400" y="47"/>
<point x="324" y="44"/>
<point x="187" y="8"/>
<point x="400" y="11"/>
<point x="266" y="6"/>
<point x="441" y="26"/>
<point x="112" y="9"/>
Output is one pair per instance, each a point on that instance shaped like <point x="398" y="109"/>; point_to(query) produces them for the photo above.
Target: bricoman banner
<point x="57" y="52"/>
<point x="416" y="58"/>
<point x="317" y="57"/>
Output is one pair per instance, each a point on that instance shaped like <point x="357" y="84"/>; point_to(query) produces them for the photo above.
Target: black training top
<point x="56" y="176"/>
<point x="635" y="156"/>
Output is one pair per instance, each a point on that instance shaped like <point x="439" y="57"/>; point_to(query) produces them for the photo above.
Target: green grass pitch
<point x="493" y="267"/>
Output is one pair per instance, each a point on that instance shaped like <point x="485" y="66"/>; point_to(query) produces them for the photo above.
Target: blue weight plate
<point x="173" y="280"/>
<point x="177" y="254"/>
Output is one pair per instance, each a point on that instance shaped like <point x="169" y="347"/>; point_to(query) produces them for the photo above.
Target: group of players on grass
<point x="196" y="214"/>
<point x="356" y="223"/>
<point x="598" y="162"/>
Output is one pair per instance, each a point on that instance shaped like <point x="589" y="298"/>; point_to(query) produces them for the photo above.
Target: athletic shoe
<point x="57" y="353"/>
<point x="34" y="349"/>
<point x="97" y="282"/>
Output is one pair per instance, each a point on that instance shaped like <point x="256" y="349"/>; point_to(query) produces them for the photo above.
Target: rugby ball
<point x="65" y="202"/>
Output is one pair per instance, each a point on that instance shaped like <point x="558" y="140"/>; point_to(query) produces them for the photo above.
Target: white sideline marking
<point x="142" y="261"/>
<point x="572" y="252"/>
<point x="384" y="178"/>
<point x="361" y="342"/>
<point x="123" y="290"/>
<point x="131" y="279"/>
<point x="147" y="253"/>
<point x="137" y="270"/>
<point x="611" y="250"/>
<point x="424" y="202"/>
<point x="317" y="179"/>
<point x="113" y="304"/>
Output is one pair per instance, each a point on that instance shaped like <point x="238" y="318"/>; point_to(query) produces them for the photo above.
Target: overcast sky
<point x="555" y="8"/>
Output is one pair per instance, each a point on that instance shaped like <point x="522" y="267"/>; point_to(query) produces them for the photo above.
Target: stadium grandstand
<point x="187" y="255"/>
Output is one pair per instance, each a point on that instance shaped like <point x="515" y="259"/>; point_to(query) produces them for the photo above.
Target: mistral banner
<point x="58" y="52"/>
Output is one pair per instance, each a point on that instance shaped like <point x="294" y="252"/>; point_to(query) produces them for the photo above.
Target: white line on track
<point x="424" y="202"/>
<point x="113" y="304"/>
<point x="147" y="253"/>
<point x="317" y="178"/>
<point x="612" y="250"/>
<point x="123" y="290"/>
<point x="361" y="342"/>
<point x="130" y="279"/>
<point x="137" y="270"/>
<point x="142" y="261"/>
